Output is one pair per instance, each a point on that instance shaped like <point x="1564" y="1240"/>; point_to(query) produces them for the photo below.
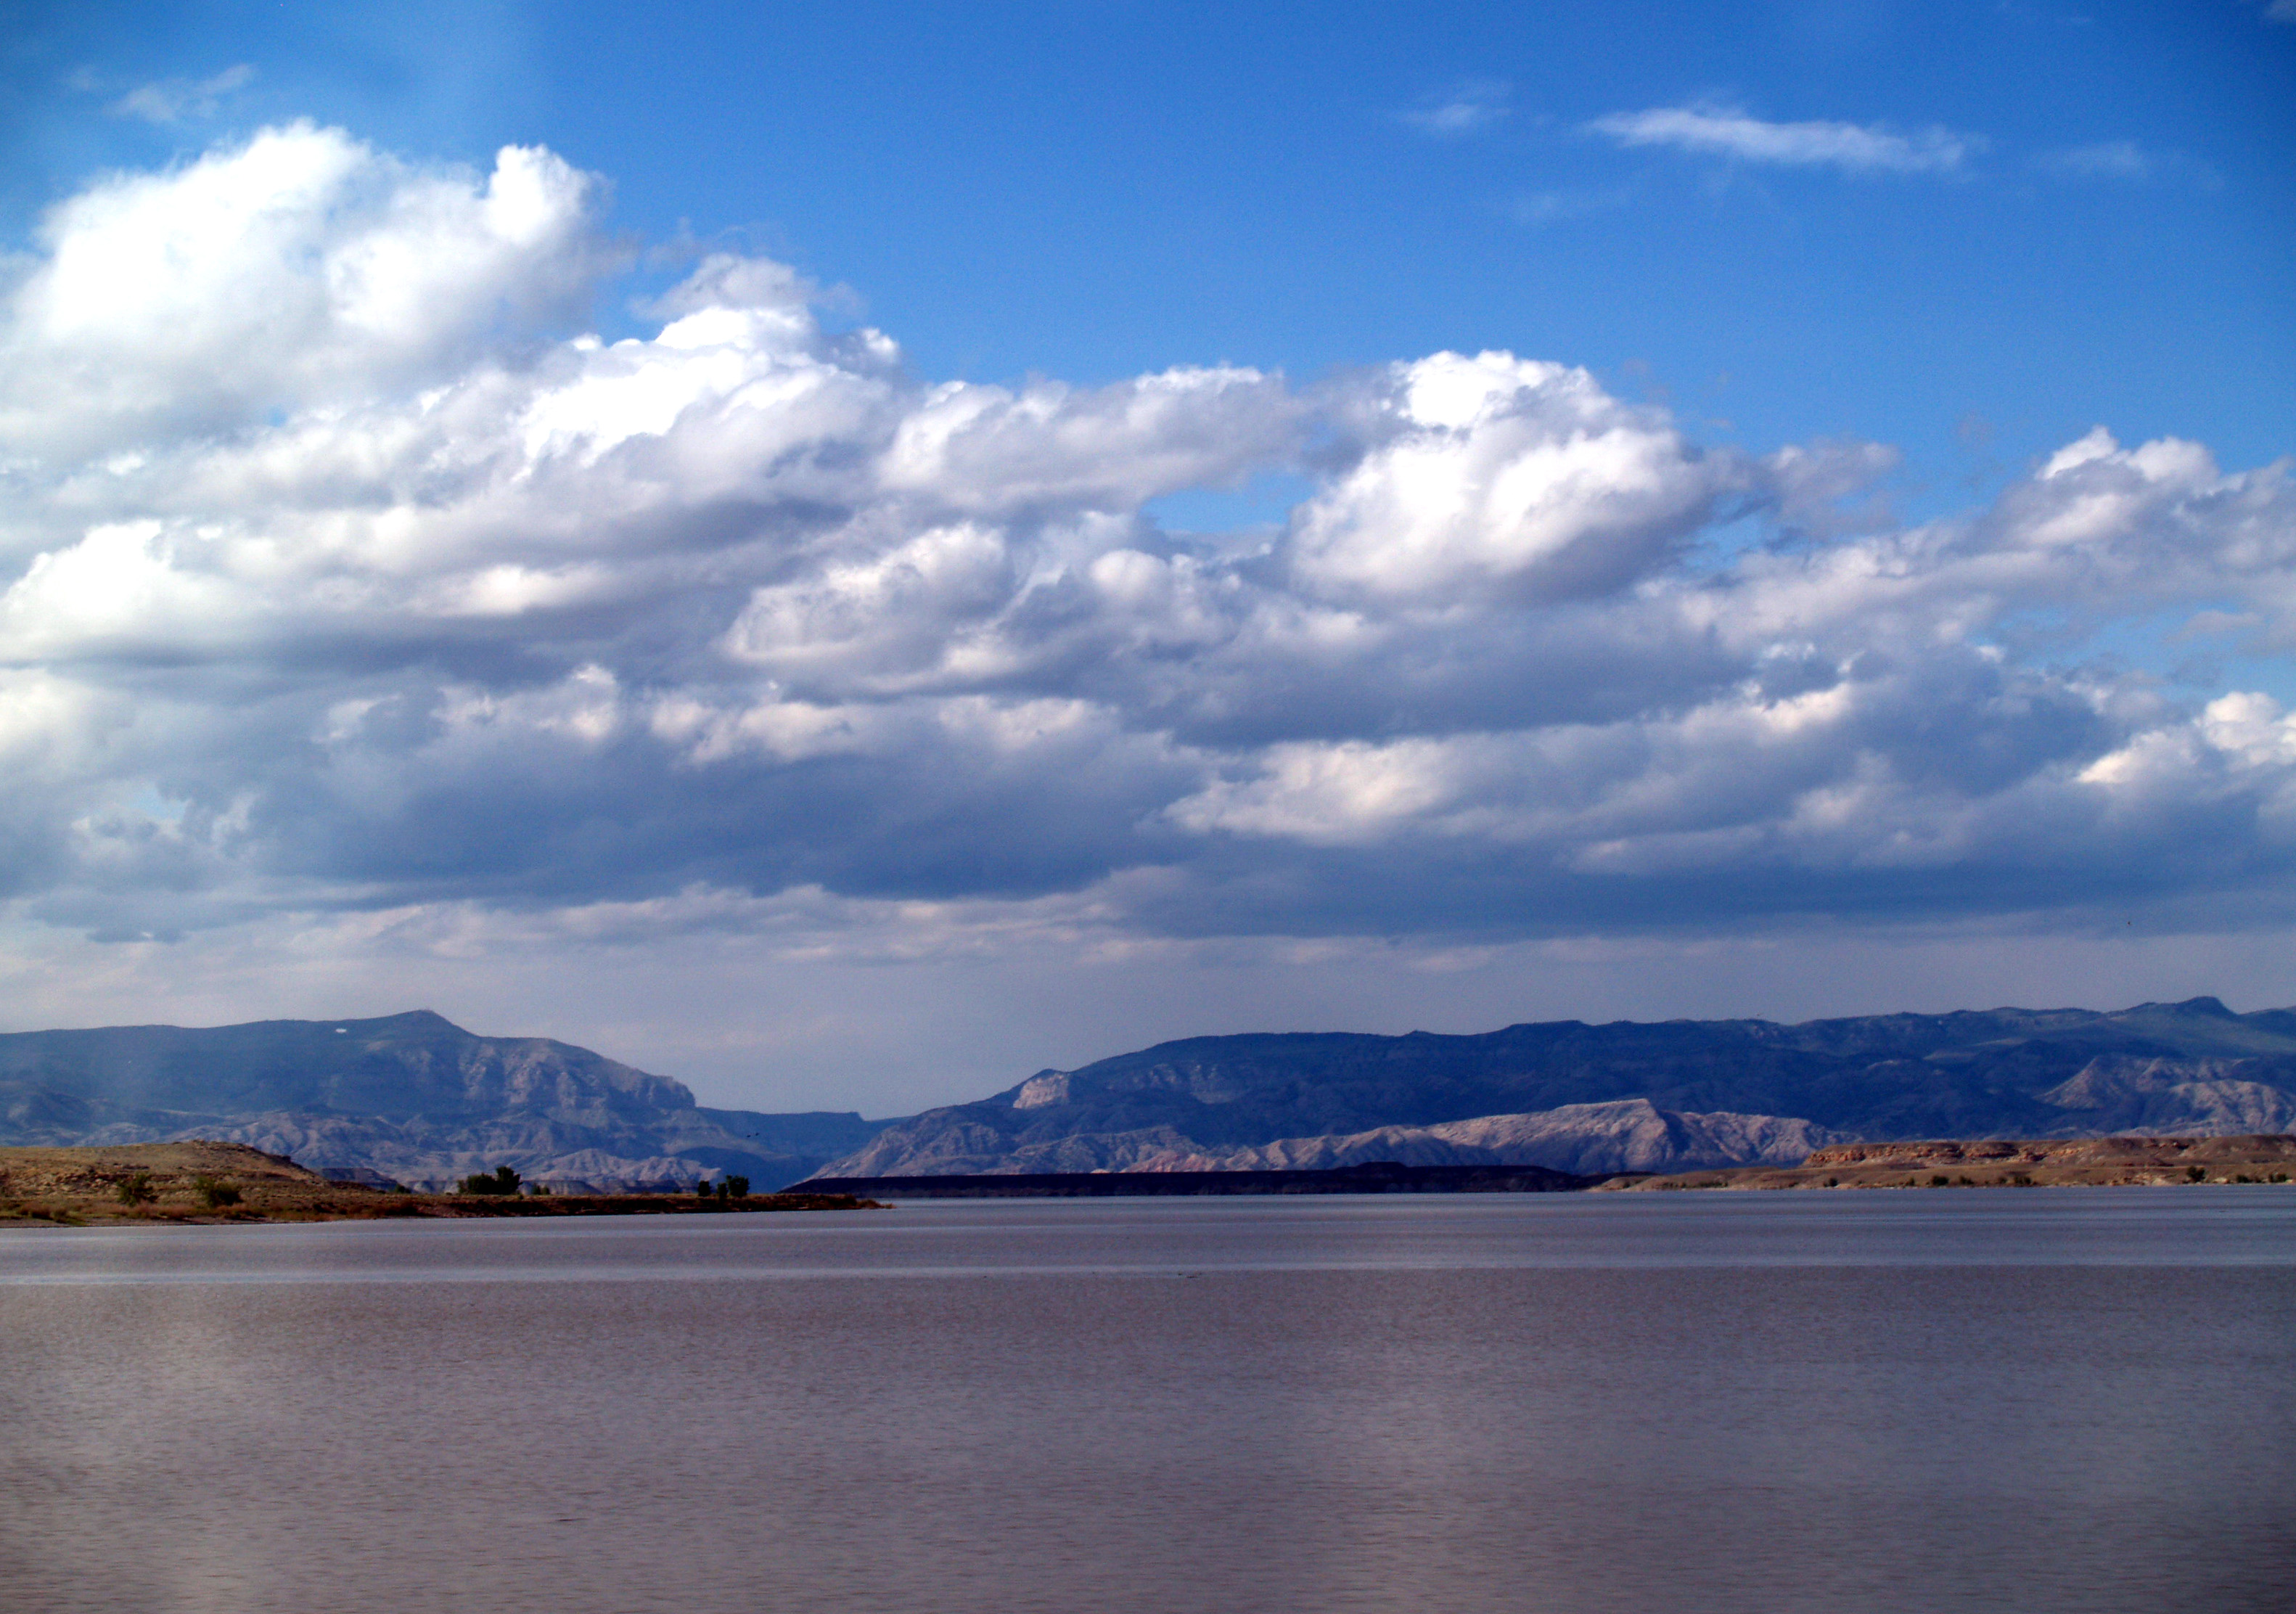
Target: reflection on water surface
<point x="2047" y="1400"/>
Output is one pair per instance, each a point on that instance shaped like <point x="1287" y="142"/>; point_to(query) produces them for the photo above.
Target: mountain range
<point x="1627" y="1096"/>
<point x="415" y="1099"/>
<point x="410" y="1098"/>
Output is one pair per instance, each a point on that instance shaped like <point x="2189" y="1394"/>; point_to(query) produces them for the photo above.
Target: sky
<point x="849" y="555"/>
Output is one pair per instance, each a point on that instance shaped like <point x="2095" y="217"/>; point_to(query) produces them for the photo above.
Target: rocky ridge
<point x="1626" y="1096"/>
<point x="1588" y="1140"/>
<point x="407" y="1097"/>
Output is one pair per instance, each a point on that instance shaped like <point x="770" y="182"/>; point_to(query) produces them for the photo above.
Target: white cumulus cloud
<point x="1499" y="473"/>
<point x="342" y="568"/>
<point x="299" y="269"/>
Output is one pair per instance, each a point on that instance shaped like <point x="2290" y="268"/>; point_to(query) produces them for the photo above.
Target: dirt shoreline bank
<point x="191" y="1184"/>
<point x="2115" y="1162"/>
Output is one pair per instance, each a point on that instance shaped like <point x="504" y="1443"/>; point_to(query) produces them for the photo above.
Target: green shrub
<point x="136" y="1190"/>
<point x="214" y="1192"/>
<point x="501" y="1180"/>
<point x="2196" y="1174"/>
<point x="1940" y="1180"/>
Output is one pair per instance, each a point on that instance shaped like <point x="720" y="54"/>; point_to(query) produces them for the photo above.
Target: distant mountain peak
<point x="411" y="1018"/>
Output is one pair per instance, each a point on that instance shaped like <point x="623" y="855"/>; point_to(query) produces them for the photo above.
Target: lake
<point x="2001" y="1399"/>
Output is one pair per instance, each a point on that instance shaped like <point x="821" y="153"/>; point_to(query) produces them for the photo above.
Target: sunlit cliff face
<point x="340" y="576"/>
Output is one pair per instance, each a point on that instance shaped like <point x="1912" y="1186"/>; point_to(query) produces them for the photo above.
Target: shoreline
<point x="2254" y="1159"/>
<point x="201" y="1183"/>
<point x="415" y="1207"/>
<point x="197" y="1183"/>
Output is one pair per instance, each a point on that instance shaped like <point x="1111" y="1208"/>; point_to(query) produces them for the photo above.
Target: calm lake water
<point x="2038" y="1399"/>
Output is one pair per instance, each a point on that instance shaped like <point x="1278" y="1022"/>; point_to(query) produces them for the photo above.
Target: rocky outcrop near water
<point x="409" y="1098"/>
<point x="1623" y="1097"/>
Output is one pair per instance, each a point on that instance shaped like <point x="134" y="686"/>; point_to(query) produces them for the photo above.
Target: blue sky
<point x="1095" y="190"/>
<point x="1252" y="726"/>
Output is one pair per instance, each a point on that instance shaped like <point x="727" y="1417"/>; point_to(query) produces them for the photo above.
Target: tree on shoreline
<point x="501" y="1180"/>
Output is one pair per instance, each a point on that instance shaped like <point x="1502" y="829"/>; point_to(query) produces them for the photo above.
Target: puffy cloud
<point x="985" y="449"/>
<point x="1500" y="475"/>
<point x="1723" y="131"/>
<point x="288" y="273"/>
<point x="339" y="570"/>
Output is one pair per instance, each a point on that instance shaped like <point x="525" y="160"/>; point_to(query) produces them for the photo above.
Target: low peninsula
<point x="202" y="1182"/>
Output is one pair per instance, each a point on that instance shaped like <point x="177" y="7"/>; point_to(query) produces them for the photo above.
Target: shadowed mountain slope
<point x="1560" y="1094"/>
<point x="412" y="1097"/>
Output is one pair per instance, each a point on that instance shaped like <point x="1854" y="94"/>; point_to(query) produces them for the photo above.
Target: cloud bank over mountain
<point x="343" y="574"/>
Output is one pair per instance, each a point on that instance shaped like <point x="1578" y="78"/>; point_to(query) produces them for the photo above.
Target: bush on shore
<point x="501" y="1180"/>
